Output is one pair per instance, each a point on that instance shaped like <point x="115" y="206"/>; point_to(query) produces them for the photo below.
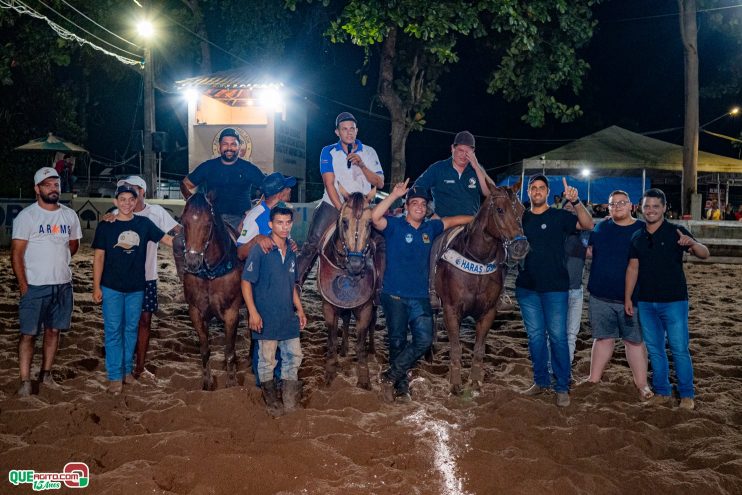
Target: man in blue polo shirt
<point x="275" y="312"/>
<point x="458" y="182"/>
<point x="229" y="179"/>
<point x="404" y="293"/>
<point x="349" y="164"/>
<point x="656" y="262"/>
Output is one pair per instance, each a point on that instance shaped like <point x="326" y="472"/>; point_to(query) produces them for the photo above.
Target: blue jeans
<point x="574" y="318"/>
<point x="545" y="318"/>
<point x="402" y="314"/>
<point x="291" y="357"/>
<point x="121" y="311"/>
<point x="255" y="358"/>
<point x="667" y="320"/>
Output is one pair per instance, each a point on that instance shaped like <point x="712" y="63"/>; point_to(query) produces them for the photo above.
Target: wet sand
<point x="168" y="436"/>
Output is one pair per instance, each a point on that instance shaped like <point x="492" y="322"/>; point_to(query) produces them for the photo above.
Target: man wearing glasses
<point x="656" y="262"/>
<point x="609" y="245"/>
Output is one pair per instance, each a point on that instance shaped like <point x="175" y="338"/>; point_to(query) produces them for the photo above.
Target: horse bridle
<point x="346" y="254"/>
<point x="202" y="254"/>
<point x="505" y="241"/>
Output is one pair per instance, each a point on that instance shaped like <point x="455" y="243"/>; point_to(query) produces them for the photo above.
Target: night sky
<point x="635" y="81"/>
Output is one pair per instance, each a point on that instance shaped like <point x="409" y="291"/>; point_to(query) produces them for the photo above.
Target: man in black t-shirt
<point x="656" y="263"/>
<point x="542" y="286"/>
<point x="229" y="179"/>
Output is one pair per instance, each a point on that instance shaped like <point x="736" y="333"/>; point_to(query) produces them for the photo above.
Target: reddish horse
<point x="211" y="281"/>
<point x="346" y="279"/>
<point x="470" y="274"/>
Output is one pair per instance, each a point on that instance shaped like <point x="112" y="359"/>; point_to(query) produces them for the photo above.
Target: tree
<point x="689" y="35"/>
<point x="533" y="43"/>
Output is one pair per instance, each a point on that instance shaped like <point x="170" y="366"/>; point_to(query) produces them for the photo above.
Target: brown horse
<point x="211" y="281"/>
<point x="470" y="275"/>
<point x="346" y="278"/>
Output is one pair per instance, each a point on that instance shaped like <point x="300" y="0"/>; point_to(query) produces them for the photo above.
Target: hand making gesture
<point x="400" y="189"/>
<point x="570" y="193"/>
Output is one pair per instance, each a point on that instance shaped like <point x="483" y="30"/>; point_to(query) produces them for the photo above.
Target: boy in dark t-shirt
<point x="275" y="312"/>
<point x="119" y="280"/>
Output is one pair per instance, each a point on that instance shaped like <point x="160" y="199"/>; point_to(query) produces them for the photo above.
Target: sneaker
<point x="660" y="400"/>
<point x="115" y="387"/>
<point x="387" y="387"/>
<point x="535" y="390"/>
<point x="25" y="389"/>
<point x="687" y="403"/>
<point x="562" y="399"/>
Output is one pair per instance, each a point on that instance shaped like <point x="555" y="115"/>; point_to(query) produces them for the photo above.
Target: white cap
<point x="133" y="180"/>
<point x="44" y="173"/>
<point x="127" y="239"/>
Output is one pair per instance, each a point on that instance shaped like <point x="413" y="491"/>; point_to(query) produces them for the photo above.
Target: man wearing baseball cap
<point x="542" y="286"/>
<point x="457" y="183"/>
<point x="349" y="164"/>
<point x="404" y="292"/>
<point x="162" y="219"/>
<point x="46" y="235"/>
<point x="228" y="179"/>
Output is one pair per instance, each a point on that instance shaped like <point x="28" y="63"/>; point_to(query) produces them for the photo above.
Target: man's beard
<point x="230" y="160"/>
<point x="52" y="198"/>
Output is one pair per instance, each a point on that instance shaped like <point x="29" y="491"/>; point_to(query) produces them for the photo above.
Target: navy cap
<point x="343" y="117"/>
<point x="465" y="138"/>
<point x="229" y="132"/>
<point x="416" y="192"/>
<point x="540" y="177"/>
<point x="275" y="183"/>
<point x="126" y="189"/>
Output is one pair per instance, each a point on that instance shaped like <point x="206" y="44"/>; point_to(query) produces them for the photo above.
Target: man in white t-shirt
<point x="46" y="235"/>
<point x="348" y="163"/>
<point x="162" y="219"/>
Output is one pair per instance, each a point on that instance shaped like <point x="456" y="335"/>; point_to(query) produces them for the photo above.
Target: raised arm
<point x="377" y="214"/>
<point x="484" y="180"/>
<point x="584" y="219"/>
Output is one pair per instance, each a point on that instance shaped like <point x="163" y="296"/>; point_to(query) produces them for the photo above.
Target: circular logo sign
<point x="245" y="143"/>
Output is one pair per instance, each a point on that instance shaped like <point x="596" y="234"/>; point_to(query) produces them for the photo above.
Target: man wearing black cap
<point x="404" y="292"/>
<point x="349" y="164"/>
<point x="458" y="182"/>
<point x="542" y="286"/>
<point x="229" y="179"/>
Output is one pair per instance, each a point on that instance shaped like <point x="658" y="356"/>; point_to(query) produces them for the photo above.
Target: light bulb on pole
<point x="731" y="113"/>
<point x="586" y="174"/>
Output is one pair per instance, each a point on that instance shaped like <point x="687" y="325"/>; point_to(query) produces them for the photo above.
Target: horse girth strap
<point x="466" y="265"/>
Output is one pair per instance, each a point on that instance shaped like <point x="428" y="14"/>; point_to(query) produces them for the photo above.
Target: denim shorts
<point x="609" y="321"/>
<point x="48" y="306"/>
<point x="150" y="304"/>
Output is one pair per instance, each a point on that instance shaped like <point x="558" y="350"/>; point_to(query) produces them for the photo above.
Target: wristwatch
<point x="575" y="202"/>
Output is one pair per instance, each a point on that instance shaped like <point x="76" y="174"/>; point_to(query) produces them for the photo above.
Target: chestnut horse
<point x="346" y="278"/>
<point x="470" y="275"/>
<point x="211" y="281"/>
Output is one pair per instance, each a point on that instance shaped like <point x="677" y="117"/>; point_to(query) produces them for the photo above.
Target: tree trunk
<point x="689" y="35"/>
<point x="395" y="106"/>
<point x="200" y="28"/>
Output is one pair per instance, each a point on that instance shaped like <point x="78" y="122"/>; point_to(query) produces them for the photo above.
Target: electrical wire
<point x="102" y="27"/>
<point x="63" y="33"/>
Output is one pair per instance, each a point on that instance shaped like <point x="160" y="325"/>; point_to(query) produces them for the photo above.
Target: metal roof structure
<point x="236" y="87"/>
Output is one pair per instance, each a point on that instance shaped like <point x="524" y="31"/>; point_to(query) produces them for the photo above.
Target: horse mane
<point x="357" y="203"/>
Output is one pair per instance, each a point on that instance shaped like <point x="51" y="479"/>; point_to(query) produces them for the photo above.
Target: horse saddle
<point x="336" y="285"/>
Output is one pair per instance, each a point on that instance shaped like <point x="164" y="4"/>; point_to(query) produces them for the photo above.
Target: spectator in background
<point x="738" y="213"/>
<point x="729" y="212"/>
<point x="713" y="213"/>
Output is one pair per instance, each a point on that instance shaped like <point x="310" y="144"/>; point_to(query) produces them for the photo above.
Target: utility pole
<point x="149" y="122"/>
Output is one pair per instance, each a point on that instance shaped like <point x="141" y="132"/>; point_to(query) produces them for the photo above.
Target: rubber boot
<point x="291" y="395"/>
<point x="270" y="396"/>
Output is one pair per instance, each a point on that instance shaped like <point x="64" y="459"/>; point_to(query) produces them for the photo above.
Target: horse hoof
<point x="231" y="382"/>
<point x="457" y="390"/>
<point x="209" y="385"/>
<point x="365" y="385"/>
<point x="476" y="385"/>
<point x="329" y="378"/>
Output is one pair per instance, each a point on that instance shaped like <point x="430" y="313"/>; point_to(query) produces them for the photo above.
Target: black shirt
<point x="544" y="269"/>
<point x="230" y="185"/>
<point x="661" y="276"/>
<point x="125" y="244"/>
